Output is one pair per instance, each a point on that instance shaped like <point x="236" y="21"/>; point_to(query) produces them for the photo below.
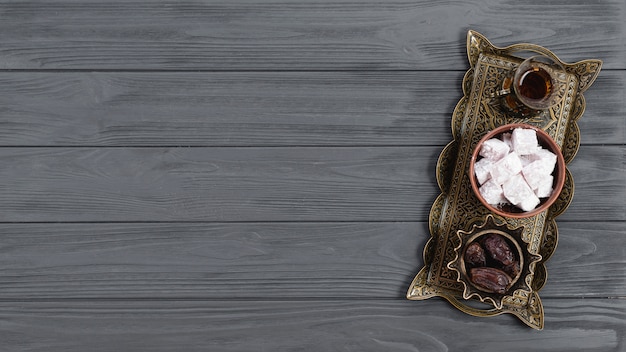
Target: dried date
<point x="498" y="249"/>
<point x="490" y="279"/>
<point x="512" y="269"/>
<point x="475" y="255"/>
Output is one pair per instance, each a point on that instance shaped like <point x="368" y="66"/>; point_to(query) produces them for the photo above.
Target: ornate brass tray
<point x="457" y="213"/>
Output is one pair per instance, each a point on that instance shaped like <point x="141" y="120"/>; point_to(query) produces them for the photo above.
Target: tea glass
<point x="532" y="87"/>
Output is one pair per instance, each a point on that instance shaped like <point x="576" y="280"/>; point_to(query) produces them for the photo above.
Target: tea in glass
<point x="533" y="87"/>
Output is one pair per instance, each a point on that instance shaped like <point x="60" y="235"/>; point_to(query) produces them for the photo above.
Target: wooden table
<point x="245" y="175"/>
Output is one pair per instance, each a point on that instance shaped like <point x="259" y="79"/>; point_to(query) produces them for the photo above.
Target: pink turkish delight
<point x="515" y="170"/>
<point x="544" y="188"/>
<point x="517" y="191"/>
<point x="492" y="193"/>
<point x="524" y="141"/>
<point x="506" y="168"/>
<point x="529" y="203"/>
<point x="482" y="170"/>
<point x="506" y="138"/>
<point x="494" y="149"/>
<point x="535" y="172"/>
<point x="526" y="159"/>
<point x="546" y="157"/>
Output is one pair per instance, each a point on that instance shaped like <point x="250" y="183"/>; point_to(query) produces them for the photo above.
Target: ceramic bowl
<point x="509" y="210"/>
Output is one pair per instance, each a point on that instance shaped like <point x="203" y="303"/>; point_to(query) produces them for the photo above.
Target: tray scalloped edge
<point x="586" y="71"/>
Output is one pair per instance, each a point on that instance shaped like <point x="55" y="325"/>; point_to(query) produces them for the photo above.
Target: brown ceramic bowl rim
<point x="546" y="142"/>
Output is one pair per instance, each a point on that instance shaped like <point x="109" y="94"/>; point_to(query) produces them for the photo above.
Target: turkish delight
<point x="506" y="168"/>
<point x="534" y="173"/>
<point x="494" y="149"/>
<point x="482" y="169"/>
<point x="544" y="189"/>
<point x="524" y="141"/>
<point x="506" y="138"/>
<point x="492" y="192"/>
<point x="547" y="159"/>
<point x="515" y="170"/>
<point x="519" y="193"/>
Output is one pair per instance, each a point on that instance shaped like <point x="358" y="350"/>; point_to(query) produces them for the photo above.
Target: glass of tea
<point x="533" y="87"/>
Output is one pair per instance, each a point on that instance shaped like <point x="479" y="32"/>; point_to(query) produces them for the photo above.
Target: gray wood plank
<point x="292" y="34"/>
<point x="296" y="261"/>
<point x="589" y="261"/>
<point x="298" y="218"/>
<point x="214" y="184"/>
<point x="256" y="108"/>
<point x="589" y="325"/>
<point x="258" y="184"/>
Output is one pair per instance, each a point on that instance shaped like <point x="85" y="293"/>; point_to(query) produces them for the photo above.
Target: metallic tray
<point x="457" y="214"/>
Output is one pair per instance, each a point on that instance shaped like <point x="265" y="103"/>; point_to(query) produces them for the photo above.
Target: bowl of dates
<point x="492" y="261"/>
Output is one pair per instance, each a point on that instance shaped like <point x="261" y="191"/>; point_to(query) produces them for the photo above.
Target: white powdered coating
<point x="521" y="176"/>
<point x="482" y="168"/>
<point x="492" y="193"/>
<point x="494" y="149"/>
<point x="546" y="157"/>
<point x="506" y="138"/>
<point x="529" y="203"/>
<point x="506" y="168"/>
<point x="534" y="173"/>
<point x="517" y="191"/>
<point x="524" y="141"/>
<point x="544" y="189"/>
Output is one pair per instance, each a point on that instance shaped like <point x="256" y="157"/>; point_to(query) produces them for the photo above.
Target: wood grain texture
<point x="258" y="184"/>
<point x="292" y="34"/>
<point x="256" y="108"/>
<point x="296" y="261"/>
<point x="255" y="175"/>
<point x="214" y="184"/>
<point x="585" y="325"/>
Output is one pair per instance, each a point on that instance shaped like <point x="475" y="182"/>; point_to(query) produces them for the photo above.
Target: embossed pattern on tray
<point x="458" y="209"/>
